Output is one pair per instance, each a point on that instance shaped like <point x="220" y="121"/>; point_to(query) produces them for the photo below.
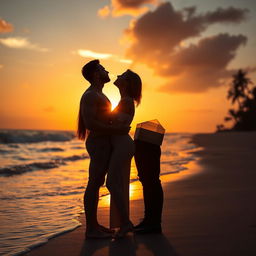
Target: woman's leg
<point x="116" y="186"/>
<point x="118" y="181"/>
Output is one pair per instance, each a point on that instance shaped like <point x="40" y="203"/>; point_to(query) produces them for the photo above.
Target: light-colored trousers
<point x="118" y="178"/>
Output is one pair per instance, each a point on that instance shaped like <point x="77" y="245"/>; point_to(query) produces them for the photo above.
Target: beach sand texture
<point x="210" y="209"/>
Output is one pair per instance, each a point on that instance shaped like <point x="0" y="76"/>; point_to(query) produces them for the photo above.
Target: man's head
<point x="94" y="72"/>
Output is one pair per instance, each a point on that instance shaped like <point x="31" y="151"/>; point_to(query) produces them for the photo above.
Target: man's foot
<point x="97" y="234"/>
<point x="124" y="230"/>
<point x="144" y="228"/>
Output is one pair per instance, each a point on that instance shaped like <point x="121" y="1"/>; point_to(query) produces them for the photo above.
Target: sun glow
<point x="112" y="92"/>
<point x="114" y="103"/>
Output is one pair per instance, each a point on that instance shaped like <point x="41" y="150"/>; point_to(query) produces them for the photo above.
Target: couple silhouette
<point x="111" y="149"/>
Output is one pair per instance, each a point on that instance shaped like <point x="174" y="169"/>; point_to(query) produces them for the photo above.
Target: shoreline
<point x="59" y="190"/>
<point x="209" y="211"/>
<point x="103" y="207"/>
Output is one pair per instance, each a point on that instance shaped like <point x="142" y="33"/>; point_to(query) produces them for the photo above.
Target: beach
<point x="44" y="174"/>
<point x="209" y="209"/>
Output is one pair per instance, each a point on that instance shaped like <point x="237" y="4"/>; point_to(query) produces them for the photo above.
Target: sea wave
<point x="50" y="149"/>
<point x="3" y="151"/>
<point x="32" y="136"/>
<point x="179" y="162"/>
<point x="20" y="169"/>
<point x="44" y="238"/>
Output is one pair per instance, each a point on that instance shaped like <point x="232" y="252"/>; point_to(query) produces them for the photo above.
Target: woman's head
<point x="130" y="82"/>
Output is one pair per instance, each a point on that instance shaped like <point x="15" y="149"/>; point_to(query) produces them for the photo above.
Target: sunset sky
<point x="184" y="50"/>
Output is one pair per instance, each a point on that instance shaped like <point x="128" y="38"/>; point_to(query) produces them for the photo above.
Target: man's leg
<point x="147" y="159"/>
<point x="153" y="201"/>
<point x="99" y="149"/>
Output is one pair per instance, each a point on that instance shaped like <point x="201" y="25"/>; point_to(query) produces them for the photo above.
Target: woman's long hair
<point x="81" y="128"/>
<point x="135" y="86"/>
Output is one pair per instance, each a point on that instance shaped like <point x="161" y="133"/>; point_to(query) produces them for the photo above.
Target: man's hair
<point x="89" y="69"/>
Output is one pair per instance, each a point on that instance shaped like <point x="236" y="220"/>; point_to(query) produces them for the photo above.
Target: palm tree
<point x="239" y="88"/>
<point x="244" y="116"/>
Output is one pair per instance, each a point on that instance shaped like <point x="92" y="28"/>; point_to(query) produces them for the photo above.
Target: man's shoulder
<point x="90" y="95"/>
<point x="90" y="92"/>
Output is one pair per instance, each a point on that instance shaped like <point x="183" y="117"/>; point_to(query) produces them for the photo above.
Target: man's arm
<point x="89" y="112"/>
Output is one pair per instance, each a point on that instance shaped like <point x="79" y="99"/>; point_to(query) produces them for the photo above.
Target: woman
<point x="129" y="85"/>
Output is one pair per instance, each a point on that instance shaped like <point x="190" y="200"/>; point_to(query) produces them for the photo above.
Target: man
<point x="147" y="159"/>
<point x="94" y="125"/>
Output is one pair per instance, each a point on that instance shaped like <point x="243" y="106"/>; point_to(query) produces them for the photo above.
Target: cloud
<point x="230" y="14"/>
<point x="104" y="12"/>
<point x="21" y="43"/>
<point x="5" y="27"/>
<point x="157" y="39"/>
<point x="91" y="54"/>
<point x="126" y="7"/>
<point x="95" y="55"/>
<point x="202" y="66"/>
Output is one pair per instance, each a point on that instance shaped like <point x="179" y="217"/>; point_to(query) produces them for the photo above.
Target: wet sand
<point x="209" y="209"/>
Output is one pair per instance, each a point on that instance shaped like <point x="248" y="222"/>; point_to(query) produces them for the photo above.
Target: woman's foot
<point x="124" y="230"/>
<point x="97" y="234"/>
<point x="106" y="230"/>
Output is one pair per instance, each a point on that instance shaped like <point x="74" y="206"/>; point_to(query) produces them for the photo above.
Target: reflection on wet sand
<point x="155" y="245"/>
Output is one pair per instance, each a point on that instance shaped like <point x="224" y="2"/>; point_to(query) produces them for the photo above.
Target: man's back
<point x="96" y="109"/>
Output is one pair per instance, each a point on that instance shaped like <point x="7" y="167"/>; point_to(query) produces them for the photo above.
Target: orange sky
<point x="44" y="46"/>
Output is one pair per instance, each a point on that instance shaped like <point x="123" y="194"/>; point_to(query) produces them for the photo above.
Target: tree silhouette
<point x="244" y="116"/>
<point x="239" y="87"/>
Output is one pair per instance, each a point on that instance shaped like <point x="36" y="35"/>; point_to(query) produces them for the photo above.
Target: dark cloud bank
<point x="157" y="40"/>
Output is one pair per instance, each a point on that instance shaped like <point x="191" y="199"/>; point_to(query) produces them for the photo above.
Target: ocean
<point x="43" y="175"/>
